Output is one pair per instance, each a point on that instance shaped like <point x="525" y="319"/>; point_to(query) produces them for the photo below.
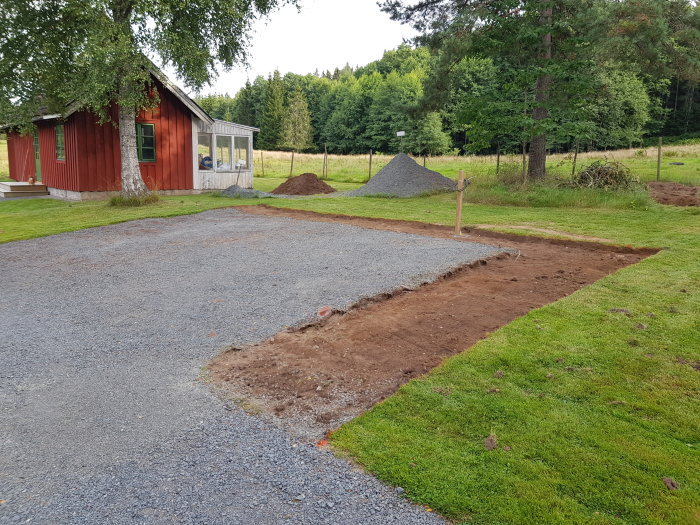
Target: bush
<point x="605" y="175"/>
<point x="120" y="200"/>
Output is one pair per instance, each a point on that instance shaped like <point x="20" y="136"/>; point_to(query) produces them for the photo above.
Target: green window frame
<point x="146" y="142"/>
<point x="60" y="142"/>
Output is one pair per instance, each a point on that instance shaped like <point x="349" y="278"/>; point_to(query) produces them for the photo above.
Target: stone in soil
<point x="304" y="184"/>
<point x="238" y="192"/>
<point x="404" y="177"/>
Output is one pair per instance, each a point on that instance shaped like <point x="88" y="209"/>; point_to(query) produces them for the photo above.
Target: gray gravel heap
<point x="404" y="177"/>
<point x="105" y="417"/>
<point x="238" y="192"/>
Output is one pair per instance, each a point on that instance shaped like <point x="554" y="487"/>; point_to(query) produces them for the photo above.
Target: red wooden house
<point x="181" y="149"/>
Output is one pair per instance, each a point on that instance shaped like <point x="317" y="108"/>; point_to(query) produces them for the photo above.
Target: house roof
<point x="251" y="128"/>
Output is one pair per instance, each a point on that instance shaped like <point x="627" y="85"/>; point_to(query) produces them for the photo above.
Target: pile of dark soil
<point x="304" y="184"/>
<point x="404" y="177"/>
<point x="674" y="193"/>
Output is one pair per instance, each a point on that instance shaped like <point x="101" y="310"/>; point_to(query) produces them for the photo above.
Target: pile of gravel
<point x="237" y="192"/>
<point x="403" y="177"/>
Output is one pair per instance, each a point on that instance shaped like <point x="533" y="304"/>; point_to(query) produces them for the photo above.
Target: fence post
<point x="262" y="164"/>
<point x="325" y="161"/>
<point x="658" y="159"/>
<point x="370" y="165"/>
<point x="498" y="157"/>
<point x="460" y="202"/>
<point x="291" y="168"/>
<point x="573" y="169"/>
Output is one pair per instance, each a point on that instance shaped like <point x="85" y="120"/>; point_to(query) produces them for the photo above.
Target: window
<point x="204" y="153"/>
<point x="146" y="142"/>
<point x="60" y="143"/>
<point x="223" y="153"/>
<point x="241" y="147"/>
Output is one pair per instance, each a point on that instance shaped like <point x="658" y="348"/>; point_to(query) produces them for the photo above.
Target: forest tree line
<point x="477" y="104"/>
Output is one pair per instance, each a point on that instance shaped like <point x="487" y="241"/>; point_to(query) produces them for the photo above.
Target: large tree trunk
<point x="132" y="183"/>
<point x="538" y="145"/>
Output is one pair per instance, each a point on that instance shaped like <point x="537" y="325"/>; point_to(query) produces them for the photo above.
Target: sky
<point x="324" y="34"/>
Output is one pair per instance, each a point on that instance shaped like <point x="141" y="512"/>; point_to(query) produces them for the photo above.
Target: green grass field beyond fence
<point x="596" y="406"/>
<point x="4" y="161"/>
<point x="355" y="168"/>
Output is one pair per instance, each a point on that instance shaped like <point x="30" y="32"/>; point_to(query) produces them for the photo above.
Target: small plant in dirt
<point x="130" y="202"/>
<point x="605" y="175"/>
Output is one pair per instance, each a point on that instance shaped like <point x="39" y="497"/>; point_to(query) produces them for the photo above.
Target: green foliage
<point x="273" y="114"/>
<point x="296" y="127"/>
<point x="89" y="54"/>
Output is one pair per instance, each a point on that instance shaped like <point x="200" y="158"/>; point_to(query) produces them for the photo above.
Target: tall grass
<point x="355" y="168"/>
<point x="4" y="161"/>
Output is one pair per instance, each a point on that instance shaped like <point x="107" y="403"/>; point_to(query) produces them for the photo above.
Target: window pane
<point x="241" y="145"/>
<point x="204" y="153"/>
<point x="146" y="142"/>
<point x="223" y="152"/>
<point x="60" y="143"/>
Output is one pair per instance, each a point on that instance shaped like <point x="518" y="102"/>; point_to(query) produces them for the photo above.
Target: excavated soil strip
<point x="674" y="193"/>
<point x="317" y="377"/>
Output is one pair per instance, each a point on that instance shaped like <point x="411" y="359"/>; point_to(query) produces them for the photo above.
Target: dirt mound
<point x="404" y="177"/>
<point x="304" y="184"/>
<point x="674" y="193"/>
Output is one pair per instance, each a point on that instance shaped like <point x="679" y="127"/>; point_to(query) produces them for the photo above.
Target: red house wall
<point x="56" y="173"/>
<point x="92" y="159"/>
<point x="20" y="150"/>
<point x="99" y="160"/>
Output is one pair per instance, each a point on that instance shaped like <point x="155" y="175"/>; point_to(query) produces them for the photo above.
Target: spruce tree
<point x="273" y="115"/>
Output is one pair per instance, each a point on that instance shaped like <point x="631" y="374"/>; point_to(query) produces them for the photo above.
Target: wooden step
<point x="21" y="186"/>
<point x="12" y="194"/>
<point x="22" y="189"/>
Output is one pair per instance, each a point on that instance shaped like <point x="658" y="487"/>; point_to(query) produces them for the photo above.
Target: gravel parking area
<point x="104" y="332"/>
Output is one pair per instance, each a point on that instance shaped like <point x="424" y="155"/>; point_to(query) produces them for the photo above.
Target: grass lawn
<point x="595" y="407"/>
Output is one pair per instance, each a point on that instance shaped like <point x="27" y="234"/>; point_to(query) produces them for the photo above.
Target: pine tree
<point x="273" y="115"/>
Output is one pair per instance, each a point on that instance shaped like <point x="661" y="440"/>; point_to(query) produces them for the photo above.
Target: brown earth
<point x="304" y="184"/>
<point x="315" y="378"/>
<point x="674" y="193"/>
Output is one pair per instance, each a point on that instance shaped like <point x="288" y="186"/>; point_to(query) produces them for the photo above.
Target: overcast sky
<point x="325" y="34"/>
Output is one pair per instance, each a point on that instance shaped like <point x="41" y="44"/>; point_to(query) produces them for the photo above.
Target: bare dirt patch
<point x="315" y="378"/>
<point x="304" y="184"/>
<point x="674" y="193"/>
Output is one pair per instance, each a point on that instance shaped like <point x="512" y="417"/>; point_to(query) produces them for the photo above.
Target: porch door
<point x="37" y="158"/>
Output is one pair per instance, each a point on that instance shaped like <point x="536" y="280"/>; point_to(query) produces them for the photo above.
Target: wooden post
<point x="325" y="161"/>
<point x="291" y="169"/>
<point x="460" y="202"/>
<point x="524" y="161"/>
<point x="262" y="164"/>
<point x="424" y="161"/>
<point x="573" y="169"/>
<point x="370" y="165"/>
<point x="498" y="157"/>
<point x="658" y="159"/>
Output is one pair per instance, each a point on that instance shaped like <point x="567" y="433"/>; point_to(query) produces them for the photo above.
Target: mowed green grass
<point x="596" y="407"/>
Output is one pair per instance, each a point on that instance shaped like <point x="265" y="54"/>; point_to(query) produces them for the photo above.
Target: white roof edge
<point x="236" y="124"/>
<point x="182" y="96"/>
<point x="47" y="117"/>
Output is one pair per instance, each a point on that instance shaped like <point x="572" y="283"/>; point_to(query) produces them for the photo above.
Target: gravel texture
<point x="246" y="193"/>
<point x="104" y="416"/>
<point x="403" y="177"/>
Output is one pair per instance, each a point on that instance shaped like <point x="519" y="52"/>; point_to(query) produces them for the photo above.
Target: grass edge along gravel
<point x="590" y="444"/>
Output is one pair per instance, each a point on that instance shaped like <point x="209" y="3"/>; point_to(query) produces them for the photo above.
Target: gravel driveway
<point x="103" y="336"/>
